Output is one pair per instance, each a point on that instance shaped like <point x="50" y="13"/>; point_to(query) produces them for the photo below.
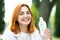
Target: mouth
<point x="25" y="20"/>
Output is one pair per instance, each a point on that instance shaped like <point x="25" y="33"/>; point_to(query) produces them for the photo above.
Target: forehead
<point x="24" y="8"/>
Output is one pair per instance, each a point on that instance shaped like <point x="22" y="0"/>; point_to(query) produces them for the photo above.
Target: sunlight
<point x="51" y="0"/>
<point x="40" y="0"/>
<point x="11" y="4"/>
<point x="53" y="10"/>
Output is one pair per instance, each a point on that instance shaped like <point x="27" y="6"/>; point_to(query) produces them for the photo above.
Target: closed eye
<point x="28" y="12"/>
<point x="21" y="13"/>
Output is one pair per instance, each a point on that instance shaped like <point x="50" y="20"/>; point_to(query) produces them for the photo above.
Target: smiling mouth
<point x="26" y="20"/>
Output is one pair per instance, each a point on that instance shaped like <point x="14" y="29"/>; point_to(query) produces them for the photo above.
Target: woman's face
<point x="24" y="17"/>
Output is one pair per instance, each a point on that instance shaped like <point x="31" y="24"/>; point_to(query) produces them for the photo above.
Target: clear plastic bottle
<point x="42" y="26"/>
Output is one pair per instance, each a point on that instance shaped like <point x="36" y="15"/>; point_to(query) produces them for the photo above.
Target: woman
<point x="23" y="27"/>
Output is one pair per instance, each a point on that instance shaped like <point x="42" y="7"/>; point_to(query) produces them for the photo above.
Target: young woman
<point x="23" y="27"/>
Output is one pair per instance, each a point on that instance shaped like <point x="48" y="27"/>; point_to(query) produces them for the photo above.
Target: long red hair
<point x="14" y="23"/>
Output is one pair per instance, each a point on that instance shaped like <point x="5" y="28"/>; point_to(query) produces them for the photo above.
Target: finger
<point x="47" y="29"/>
<point x="48" y="33"/>
<point x="49" y="36"/>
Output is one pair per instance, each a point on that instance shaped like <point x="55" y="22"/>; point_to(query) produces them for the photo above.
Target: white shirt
<point x="8" y="35"/>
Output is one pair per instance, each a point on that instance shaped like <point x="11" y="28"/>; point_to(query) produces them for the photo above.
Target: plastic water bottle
<point x="42" y="26"/>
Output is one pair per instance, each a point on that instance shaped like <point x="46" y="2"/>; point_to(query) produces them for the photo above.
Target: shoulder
<point x="7" y="32"/>
<point x="7" y="35"/>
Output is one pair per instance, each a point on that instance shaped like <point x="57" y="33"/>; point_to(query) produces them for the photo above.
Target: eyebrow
<point x="28" y="11"/>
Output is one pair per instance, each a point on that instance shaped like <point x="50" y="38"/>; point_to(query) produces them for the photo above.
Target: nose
<point x="25" y="15"/>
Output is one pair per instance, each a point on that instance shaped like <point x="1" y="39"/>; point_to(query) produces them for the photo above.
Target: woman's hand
<point x="48" y="33"/>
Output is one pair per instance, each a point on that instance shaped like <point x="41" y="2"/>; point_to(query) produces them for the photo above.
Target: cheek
<point x="31" y="17"/>
<point x="19" y="19"/>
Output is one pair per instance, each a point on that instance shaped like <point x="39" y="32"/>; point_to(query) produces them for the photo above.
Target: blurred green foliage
<point x="2" y="23"/>
<point x="35" y="10"/>
<point x="57" y="20"/>
<point x="37" y="3"/>
<point x="35" y="14"/>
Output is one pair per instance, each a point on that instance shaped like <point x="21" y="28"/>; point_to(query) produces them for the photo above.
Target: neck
<point x="24" y="28"/>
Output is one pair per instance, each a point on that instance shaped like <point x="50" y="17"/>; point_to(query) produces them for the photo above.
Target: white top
<point x="8" y="35"/>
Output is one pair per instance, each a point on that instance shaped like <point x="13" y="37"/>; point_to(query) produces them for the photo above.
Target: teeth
<point x="25" y="19"/>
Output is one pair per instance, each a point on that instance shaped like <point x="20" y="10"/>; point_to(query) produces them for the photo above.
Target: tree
<point x="45" y="9"/>
<point x="57" y="19"/>
<point x="2" y="24"/>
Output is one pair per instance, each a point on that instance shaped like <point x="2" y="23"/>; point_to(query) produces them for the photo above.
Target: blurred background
<point x="48" y="9"/>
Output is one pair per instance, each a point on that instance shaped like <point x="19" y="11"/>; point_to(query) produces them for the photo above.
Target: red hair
<point x="14" y="23"/>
